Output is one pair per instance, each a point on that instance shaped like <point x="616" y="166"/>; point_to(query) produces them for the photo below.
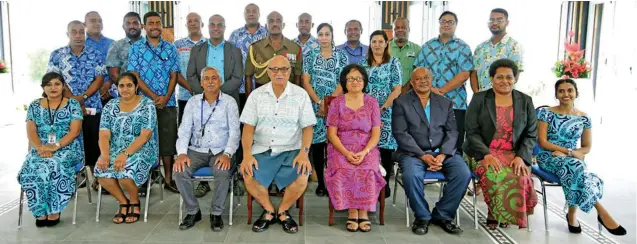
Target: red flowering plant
<point x="3" y="67"/>
<point x="574" y="66"/>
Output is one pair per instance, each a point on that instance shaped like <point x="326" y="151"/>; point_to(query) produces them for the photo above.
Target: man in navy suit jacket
<point x="424" y="126"/>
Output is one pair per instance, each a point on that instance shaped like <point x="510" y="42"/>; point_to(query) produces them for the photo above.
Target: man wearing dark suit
<point x="217" y="53"/>
<point x="424" y="126"/>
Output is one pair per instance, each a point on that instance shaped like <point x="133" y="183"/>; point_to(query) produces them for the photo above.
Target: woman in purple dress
<point x="353" y="175"/>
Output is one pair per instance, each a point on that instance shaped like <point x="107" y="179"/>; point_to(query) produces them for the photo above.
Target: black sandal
<point x="367" y="222"/>
<point x="492" y="224"/>
<point x="262" y="224"/>
<point x="289" y="225"/>
<point x="121" y="215"/>
<point x="352" y="222"/>
<point x="131" y="213"/>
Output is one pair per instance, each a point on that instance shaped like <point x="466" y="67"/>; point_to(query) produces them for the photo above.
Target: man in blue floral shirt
<point x="156" y="64"/>
<point x="95" y="39"/>
<point x="305" y="38"/>
<point x="83" y="70"/>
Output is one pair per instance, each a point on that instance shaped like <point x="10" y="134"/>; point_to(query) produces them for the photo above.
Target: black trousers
<point x="90" y="133"/>
<point x="318" y="161"/>
<point x="387" y="162"/>
<point x="242" y="102"/>
<point x="181" y="107"/>
<point x="460" y="114"/>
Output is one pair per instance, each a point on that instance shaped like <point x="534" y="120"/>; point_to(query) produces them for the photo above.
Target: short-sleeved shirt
<point x="183" y="46"/>
<point x="487" y="52"/>
<point x="354" y="55"/>
<point x="103" y="44"/>
<point x="406" y="55"/>
<point x="445" y="61"/>
<point x="214" y="58"/>
<point x="278" y="121"/>
<point x="79" y="71"/>
<point x="263" y="52"/>
<point x="154" y="65"/>
<point x="310" y="44"/>
<point x="242" y="39"/>
<point x="118" y="57"/>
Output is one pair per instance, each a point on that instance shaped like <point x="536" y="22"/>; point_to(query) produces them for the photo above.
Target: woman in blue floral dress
<point x="385" y="80"/>
<point x="47" y="175"/>
<point x="127" y="145"/>
<point x="559" y="130"/>
<point x="321" y="69"/>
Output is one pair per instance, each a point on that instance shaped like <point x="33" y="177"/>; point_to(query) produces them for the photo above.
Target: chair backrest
<point x="536" y="149"/>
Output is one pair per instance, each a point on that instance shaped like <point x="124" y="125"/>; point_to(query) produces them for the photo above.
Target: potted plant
<point x="574" y="66"/>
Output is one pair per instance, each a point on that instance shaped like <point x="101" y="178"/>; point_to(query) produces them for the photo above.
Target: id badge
<point x="51" y="138"/>
<point x="198" y="138"/>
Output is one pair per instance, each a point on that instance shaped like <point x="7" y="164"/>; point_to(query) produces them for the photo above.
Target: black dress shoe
<point x="262" y="224"/>
<point x="216" y="223"/>
<point x="573" y="229"/>
<point x="447" y="225"/>
<point x="172" y="186"/>
<point x="41" y="222"/>
<point x="190" y="220"/>
<point x="420" y="227"/>
<point x="320" y="191"/>
<point x="619" y="231"/>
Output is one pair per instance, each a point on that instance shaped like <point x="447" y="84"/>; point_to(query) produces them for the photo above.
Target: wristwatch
<point x="228" y="154"/>
<point x="84" y="96"/>
<point x="306" y="149"/>
<point x="570" y="152"/>
<point x="57" y="144"/>
<point x="126" y="153"/>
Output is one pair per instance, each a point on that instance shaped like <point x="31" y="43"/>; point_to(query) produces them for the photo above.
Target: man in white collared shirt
<point x="211" y="126"/>
<point x="277" y="134"/>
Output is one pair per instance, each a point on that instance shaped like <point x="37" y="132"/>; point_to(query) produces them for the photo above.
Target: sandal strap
<point x="286" y="213"/>
<point x="268" y="212"/>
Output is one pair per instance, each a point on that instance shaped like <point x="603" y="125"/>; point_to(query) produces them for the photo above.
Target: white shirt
<point x="278" y="122"/>
<point x="221" y="131"/>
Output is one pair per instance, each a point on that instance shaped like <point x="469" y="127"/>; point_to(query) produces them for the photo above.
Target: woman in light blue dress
<point x="385" y="80"/>
<point x="559" y="130"/>
<point x="321" y="69"/>
<point x="47" y="175"/>
<point x="127" y="145"/>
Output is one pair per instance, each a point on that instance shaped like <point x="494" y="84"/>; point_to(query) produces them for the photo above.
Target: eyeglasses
<point x="357" y="79"/>
<point x="422" y="78"/>
<point x="498" y="21"/>
<point x="504" y="77"/>
<point x="277" y="69"/>
<point x="445" y="22"/>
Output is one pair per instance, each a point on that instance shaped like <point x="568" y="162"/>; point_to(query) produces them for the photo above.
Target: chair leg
<point x="181" y="206"/>
<point x="150" y="183"/>
<point x="475" y="206"/>
<point x="87" y="173"/>
<point x="330" y="221"/>
<point x="231" y="201"/>
<point x="393" y="203"/>
<point x="99" y="203"/>
<point x="407" y="211"/>
<point x="249" y="208"/>
<point x="528" y="223"/>
<point x="161" y="189"/>
<point x="382" y="206"/>
<point x="299" y="204"/>
<point x="75" y="200"/>
<point x="20" y="208"/>
<point x="546" y="216"/>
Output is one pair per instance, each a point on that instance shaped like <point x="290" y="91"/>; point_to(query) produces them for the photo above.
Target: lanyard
<point x="52" y="116"/>
<point x="203" y="124"/>
<point x="155" y="53"/>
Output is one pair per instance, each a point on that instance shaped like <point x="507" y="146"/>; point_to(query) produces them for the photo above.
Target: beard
<point x="496" y="32"/>
<point x="133" y="36"/>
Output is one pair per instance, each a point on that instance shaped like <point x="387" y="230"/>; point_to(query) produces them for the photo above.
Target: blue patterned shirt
<point x="242" y="39"/>
<point x="183" y="46"/>
<point x="222" y="131"/>
<point x="214" y="58"/>
<point x="310" y="44"/>
<point x="103" y="44"/>
<point x="154" y="65"/>
<point x="354" y="55"/>
<point x="445" y="61"/>
<point x="118" y="57"/>
<point x="487" y="52"/>
<point x="79" y="71"/>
